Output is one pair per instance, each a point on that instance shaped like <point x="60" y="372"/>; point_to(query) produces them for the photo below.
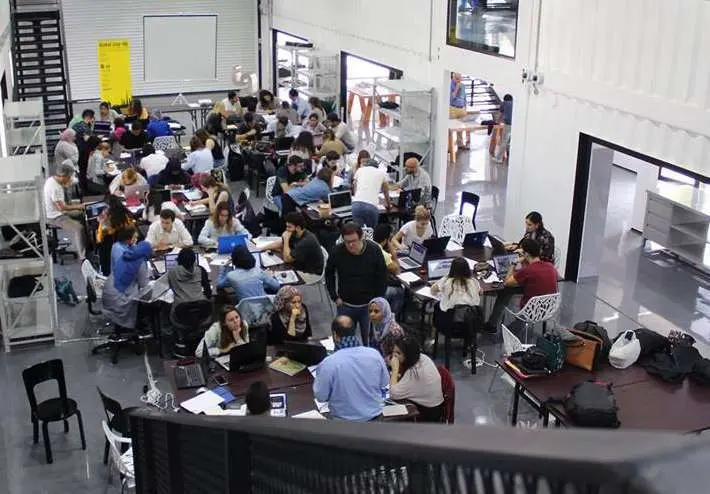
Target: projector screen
<point x="179" y="47"/>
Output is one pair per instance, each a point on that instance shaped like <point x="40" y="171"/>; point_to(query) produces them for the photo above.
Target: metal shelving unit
<point x="33" y="318"/>
<point x="410" y="126"/>
<point x="313" y="72"/>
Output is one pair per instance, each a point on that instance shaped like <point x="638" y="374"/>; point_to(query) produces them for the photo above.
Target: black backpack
<point x="592" y="404"/>
<point x="235" y="163"/>
<point x="594" y="329"/>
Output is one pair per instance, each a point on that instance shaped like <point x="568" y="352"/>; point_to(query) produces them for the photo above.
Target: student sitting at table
<point x="249" y="130"/>
<point x="258" y="399"/>
<point x="172" y="174"/>
<point x="66" y="149"/>
<point x="299" y="247"/>
<point x="459" y="287"/>
<point x="317" y="108"/>
<point x="332" y="160"/>
<point x="217" y="193"/>
<point x="230" y="331"/>
<point x="418" y="230"/>
<point x="315" y="190"/>
<point x="169" y="232"/>
<point x="188" y="280"/>
<point x="290" y="321"/>
<point x="127" y="178"/>
<point x="384" y="330"/>
<point x="535" y="230"/>
<point x="394" y="294"/>
<point x="212" y="143"/>
<point x="112" y="219"/>
<point x="157" y="126"/>
<point x="303" y="146"/>
<point x="289" y="113"/>
<point x="331" y="143"/>
<point x="313" y="125"/>
<point x="341" y="130"/>
<point x="200" y="160"/>
<point x="106" y="113"/>
<point x="232" y="105"/>
<point x="220" y="223"/>
<point x="136" y="112"/>
<point x="215" y="120"/>
<point x="414" y="377"/>
<point x="281" y="127"/>
<point x="153" y="162"/>
<point x="352" y="379"/>
<point x="129" y="274"/>
<point x="119" y="128"/>
<point x="245" y="278"/>
<point x="299" y="105"/>
<point x="287" y="177"/>
<point x="267" y="102"/>
<point x="136" y="138"/>
<point x="96" y="171"/>
<point x="154" y="204"/>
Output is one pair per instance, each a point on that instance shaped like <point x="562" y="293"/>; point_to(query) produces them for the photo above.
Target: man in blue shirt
<point x="298" y="105"/>
<point x="315" y="190"/>
<point x="157" y="127"/>
<point x="353" y="379"/>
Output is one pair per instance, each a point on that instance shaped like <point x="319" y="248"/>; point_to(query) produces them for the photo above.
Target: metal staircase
<point x="38" y="58"/>
<point x="480" y="96"/>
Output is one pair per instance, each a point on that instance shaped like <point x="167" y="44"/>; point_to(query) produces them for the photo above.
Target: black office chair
<point x="116" y="418"/>
<point x="407" y="202"/>
<point x="434" y="204"/>
<point x="464" y="326"/>
<point x="58" y="247"/>
<point x="53" y="409"/>
<point x="473" y="200"/>
<point x="190" y="320"/>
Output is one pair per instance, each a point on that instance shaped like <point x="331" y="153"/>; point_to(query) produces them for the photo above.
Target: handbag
<point x="555" y="349"/>
<point x="22" y="286"/>
<point x="583" y="352"/>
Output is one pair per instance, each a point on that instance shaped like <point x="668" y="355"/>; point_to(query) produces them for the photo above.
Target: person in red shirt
<point x="537" y="277"/>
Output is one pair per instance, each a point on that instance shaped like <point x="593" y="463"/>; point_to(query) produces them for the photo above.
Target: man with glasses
<point x="361" y="275"/>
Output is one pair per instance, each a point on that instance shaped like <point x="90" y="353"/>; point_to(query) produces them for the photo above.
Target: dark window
<point x="486" y="26"/>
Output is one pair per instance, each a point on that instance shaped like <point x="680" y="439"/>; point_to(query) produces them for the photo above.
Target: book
<point x="287" y="366"/>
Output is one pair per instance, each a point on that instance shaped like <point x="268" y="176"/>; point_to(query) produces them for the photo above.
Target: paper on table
<point x="221" y="259"/>
<point x="328" y="343"/>
<point x="311" y="414"/>
<point x="394" y="410"/>
<point x="268" y="259"/>
<point x="262" y="241"/>
<point x="202" y="402"/>
<point x="408" y="277"/>
<point x="313" y="369"/>
<point x="235" y="412"/>
<point x="426" y="292"/>
<point x="193" y="195"/>
<point x="453" y="246"/>
<point x="493" y="278"/>
<point x="322" y="406"/>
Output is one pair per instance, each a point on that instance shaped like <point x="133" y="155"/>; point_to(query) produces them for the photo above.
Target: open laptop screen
<point x="438" y="268"/>
<point x="340" y="199"/>
<point x="417" y="252"/>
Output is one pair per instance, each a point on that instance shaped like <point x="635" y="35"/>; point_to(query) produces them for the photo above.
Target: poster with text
<point x="115" y="71"/>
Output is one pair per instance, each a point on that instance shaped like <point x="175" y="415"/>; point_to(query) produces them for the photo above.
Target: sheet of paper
<point x="221" y="260"/>
<point x="394" y="410"/>
<point x="426" y="292"/>
<point x="202" y="402"/>
<point x="311" y="414"/>
<point x="453" y="246"/>
<point x="493" y="278"/>
<point x="193" y="194"/>
<point x="269" y="259"/>
<point x="223" y="360"/>
<point x="262" y="241"/>
<point x="322" y="406"/>
<point x="408" y="277"/>
<point x="234" y="412"/>
<point x="313" y="369"/>
<point x="328" y="343"/>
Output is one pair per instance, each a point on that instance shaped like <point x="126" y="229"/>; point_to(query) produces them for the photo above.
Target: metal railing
<point x="176" y="453"/>
<point x="34" y="5"/>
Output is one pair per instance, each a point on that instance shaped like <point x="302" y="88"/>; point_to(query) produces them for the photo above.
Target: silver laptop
<point x="415" y="259"/>
<point x="340" y="202"/>
<point x="438" y="268"/>
<point x="502" y="263"/>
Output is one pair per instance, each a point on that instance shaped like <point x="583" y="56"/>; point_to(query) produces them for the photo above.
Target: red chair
<point x="448" y="388"/>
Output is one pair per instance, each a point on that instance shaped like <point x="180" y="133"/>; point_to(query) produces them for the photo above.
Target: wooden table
<point x="458" y="128"/>
<point x="365" y="95"/>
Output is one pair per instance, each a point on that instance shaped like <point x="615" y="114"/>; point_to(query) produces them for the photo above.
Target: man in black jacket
<point x="362" y="275"/>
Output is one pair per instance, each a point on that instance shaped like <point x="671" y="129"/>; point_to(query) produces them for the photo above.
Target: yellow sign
<point x="115" y="71"/>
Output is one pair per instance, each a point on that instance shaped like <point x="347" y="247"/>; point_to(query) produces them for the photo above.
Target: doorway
<point x="358" y="76"/>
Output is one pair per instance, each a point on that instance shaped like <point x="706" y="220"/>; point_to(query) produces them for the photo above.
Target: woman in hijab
<point x="66" y="149"/>
<point x="173" y="174"/>
<point x="384" y="330"/>
<point x="129" y="275"/>
<point x="290" y="321"/>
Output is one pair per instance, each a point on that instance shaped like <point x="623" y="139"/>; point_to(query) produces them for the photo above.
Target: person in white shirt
<point x="418" y="230"/>
<point x="300" y="106"/>
<point x="414" y="377"/>
<point x="129" y="177"/>
<point x="168" y="233"/>
<point x="58" y="212"/>
<point x="231" y="104"/>
<point x="459" y="287"/>
<point x="342" y="131"/>
<point x="200" y="160"/>
<point x="153" y="162"/>
<point x="368" y="182"/>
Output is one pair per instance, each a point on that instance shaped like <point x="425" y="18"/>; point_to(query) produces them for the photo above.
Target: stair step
<point x="26" y="94"/>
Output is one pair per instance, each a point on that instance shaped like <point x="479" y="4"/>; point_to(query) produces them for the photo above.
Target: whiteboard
<point x="179" y="47"/>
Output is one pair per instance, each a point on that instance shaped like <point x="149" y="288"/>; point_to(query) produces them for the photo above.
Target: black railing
<point x="177" y="453"/>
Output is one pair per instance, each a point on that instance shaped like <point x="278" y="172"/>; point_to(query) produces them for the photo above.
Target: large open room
<point x="314" y="246"/>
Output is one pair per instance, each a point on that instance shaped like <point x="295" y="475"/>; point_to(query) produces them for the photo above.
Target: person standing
<point x="361" y="274"/>
<point x="457" y="97"/>
<point x="503" y="148"/>
<point x="368" y="182"/>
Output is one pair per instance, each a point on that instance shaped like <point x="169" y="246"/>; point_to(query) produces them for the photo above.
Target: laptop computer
<point x="417" y="254"/>
<point x="93" y="209"/>
<point x="497" y="245"/>
<point x="227" y="243"/>
<point x="135" y="194"/>
<point x="248" y="357"/>
<point x="193" y="375"/>
<point x="154" y="290"/>
<point x="409" y="198"/>
<point x="305" y="353"/>
<point x="340" y="202"/>
<point x="502" y="263"/>
<point x="436" y="245"/>
<point x="475" y="239"/>
<point x="438" y="268"/>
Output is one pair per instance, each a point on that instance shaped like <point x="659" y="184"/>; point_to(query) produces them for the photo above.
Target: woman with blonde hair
<point x="418" y="230"/>
<point x="129" y="177"/>
<point x="229" y="332"/>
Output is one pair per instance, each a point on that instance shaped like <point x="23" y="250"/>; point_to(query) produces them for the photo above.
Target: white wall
<point x="87" y="21"/>
<point x="646" y="179"/>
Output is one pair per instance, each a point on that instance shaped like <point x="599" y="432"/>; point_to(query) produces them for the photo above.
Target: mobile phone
<point x="220" y="380"/>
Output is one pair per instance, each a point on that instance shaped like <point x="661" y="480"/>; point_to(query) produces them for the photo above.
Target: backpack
<point x="592" y="328"/>
<point x="592" y="404"/>
<point x="235" y="163"/>
<point x="64" y="289"/>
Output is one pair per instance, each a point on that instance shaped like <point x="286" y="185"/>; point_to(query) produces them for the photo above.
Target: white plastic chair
<point x="320" y="281"/>
<point x="456" y="226"/>
<point x="269" y="202"/>
<point x="164" y="143"/>
<point x="122" y="462"/>
<point x="511" y="344"/>
<point x="94" y="283"/>
<point x="538" y="309"/>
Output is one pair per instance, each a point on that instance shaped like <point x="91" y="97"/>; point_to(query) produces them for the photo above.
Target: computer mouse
<point x="201" y="389"/>
<point x="283" y="275"/>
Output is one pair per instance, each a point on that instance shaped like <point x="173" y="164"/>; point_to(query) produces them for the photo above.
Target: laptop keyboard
<point x="190" y="376"/>
<point x="408" y="263"/>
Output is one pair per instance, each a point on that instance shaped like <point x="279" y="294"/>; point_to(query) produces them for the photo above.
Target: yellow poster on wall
<point x="115" y="71"/>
